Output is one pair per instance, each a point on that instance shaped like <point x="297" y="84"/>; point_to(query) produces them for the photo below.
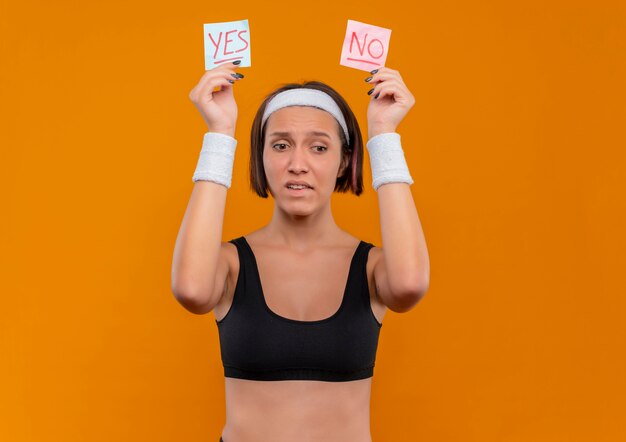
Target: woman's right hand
<point x="218" y="108"/>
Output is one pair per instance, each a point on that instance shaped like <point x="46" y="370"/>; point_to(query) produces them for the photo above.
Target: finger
<point x="379" y="93"/>
<point x="223" y="66"/>
<point x="218" y="79"/>
<point x="384" y="76"/>
<point x="219" y="70"/>
<point x="397" y="92"/>
<point x="215" y="85"/>
<point x="387" y="83"/>
<point x="393" y="90"/>
<point x="384" y="70"/>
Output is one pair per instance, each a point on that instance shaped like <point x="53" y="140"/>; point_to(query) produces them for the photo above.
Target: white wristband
<point x="387" y="160"/>
<point x="216" y="159"/>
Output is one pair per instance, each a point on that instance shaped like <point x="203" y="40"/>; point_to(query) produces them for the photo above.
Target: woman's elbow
<point x="192" y="302"/>
<point x="407" y="297"/>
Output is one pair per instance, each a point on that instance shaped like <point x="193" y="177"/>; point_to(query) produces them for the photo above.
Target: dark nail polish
<point x="231" y="81"/>
<point x="376" y="96"/>
<point x="234" y="75"/>
<point x="238" y="75"/>
<point x="374" y="71"/>
<point x="368" y="78"/>
<point x="237" y="62"/>
<point x="370" y="91"/>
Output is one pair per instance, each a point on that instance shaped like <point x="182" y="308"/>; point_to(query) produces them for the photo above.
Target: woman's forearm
<point x="404" y="246"/>
<point x="198" y="245"/>
<point x="199" y="242"/>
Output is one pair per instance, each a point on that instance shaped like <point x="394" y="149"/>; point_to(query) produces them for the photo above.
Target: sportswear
<point x="306" y="97"/>
<point x="216" y="159"/>
<point x="387" y="160"/>
<point x="256" y="343"/>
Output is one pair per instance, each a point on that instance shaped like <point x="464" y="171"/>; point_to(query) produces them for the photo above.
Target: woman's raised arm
<point x="199" y="268"/>
<point x="402" y="274"/>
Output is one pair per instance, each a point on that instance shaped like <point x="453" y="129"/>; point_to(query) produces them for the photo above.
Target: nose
<point x="298" y="161"/>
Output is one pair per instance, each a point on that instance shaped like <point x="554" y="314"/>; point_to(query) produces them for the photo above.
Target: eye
<point x="279" y="144"/>
<point x="323" y="148"/>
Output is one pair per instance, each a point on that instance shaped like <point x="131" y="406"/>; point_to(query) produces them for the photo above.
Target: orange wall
<point x="517" y="148"/>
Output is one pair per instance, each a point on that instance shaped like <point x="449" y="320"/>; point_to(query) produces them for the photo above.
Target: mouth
<point x="298" y="188"/>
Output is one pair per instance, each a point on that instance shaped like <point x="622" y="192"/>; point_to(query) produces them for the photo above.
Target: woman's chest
<point x="301" y="289"/>
<point x="304" y="290"/>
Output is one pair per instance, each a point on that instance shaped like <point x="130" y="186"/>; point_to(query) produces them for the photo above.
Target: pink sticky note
<point x="365" y="46"/>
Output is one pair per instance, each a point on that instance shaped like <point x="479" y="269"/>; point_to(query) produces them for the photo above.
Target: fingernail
<point x="368" y="78"/>
<point x="237" y="62"/>
<point x="376" y="96"/>
<point x="231" y="81"/>
<point x="374" y="71"/>
<point x="370" y="91"/>
<point x="237" y="75"/>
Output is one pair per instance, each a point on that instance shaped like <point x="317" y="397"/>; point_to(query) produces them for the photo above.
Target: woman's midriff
<point x="303" y="411"/>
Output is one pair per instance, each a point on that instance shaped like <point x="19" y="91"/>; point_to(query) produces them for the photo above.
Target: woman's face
<point x="302" y="144"/>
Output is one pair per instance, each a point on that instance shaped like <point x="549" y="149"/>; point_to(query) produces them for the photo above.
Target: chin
<point x="297" y="209"/>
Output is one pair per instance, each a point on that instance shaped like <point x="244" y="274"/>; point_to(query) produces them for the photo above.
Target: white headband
<point x="306" y="97"/>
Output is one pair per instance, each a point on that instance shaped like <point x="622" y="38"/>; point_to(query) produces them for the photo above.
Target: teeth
<point x="294" y="186"/>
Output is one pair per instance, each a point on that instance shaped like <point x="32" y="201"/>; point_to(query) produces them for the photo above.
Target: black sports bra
<point x="258" y="344"/>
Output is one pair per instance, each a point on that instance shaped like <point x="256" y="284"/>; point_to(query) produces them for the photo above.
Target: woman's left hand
<point x="390" y="101"/>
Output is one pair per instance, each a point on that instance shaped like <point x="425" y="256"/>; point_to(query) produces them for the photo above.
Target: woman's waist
<point x="281" y="426"/>
<point x="304" y="403"/>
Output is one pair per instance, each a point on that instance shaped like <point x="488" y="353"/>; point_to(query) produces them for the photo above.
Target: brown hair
<point x="350" y="180"/>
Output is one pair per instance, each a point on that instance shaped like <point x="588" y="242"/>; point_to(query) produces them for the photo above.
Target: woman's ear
<point x="345" y="159"/>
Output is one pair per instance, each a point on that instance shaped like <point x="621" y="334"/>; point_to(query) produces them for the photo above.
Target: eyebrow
<point x="288" y="134"/>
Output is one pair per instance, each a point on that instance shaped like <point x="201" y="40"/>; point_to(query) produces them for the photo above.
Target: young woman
<point x="299" y="303"/>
